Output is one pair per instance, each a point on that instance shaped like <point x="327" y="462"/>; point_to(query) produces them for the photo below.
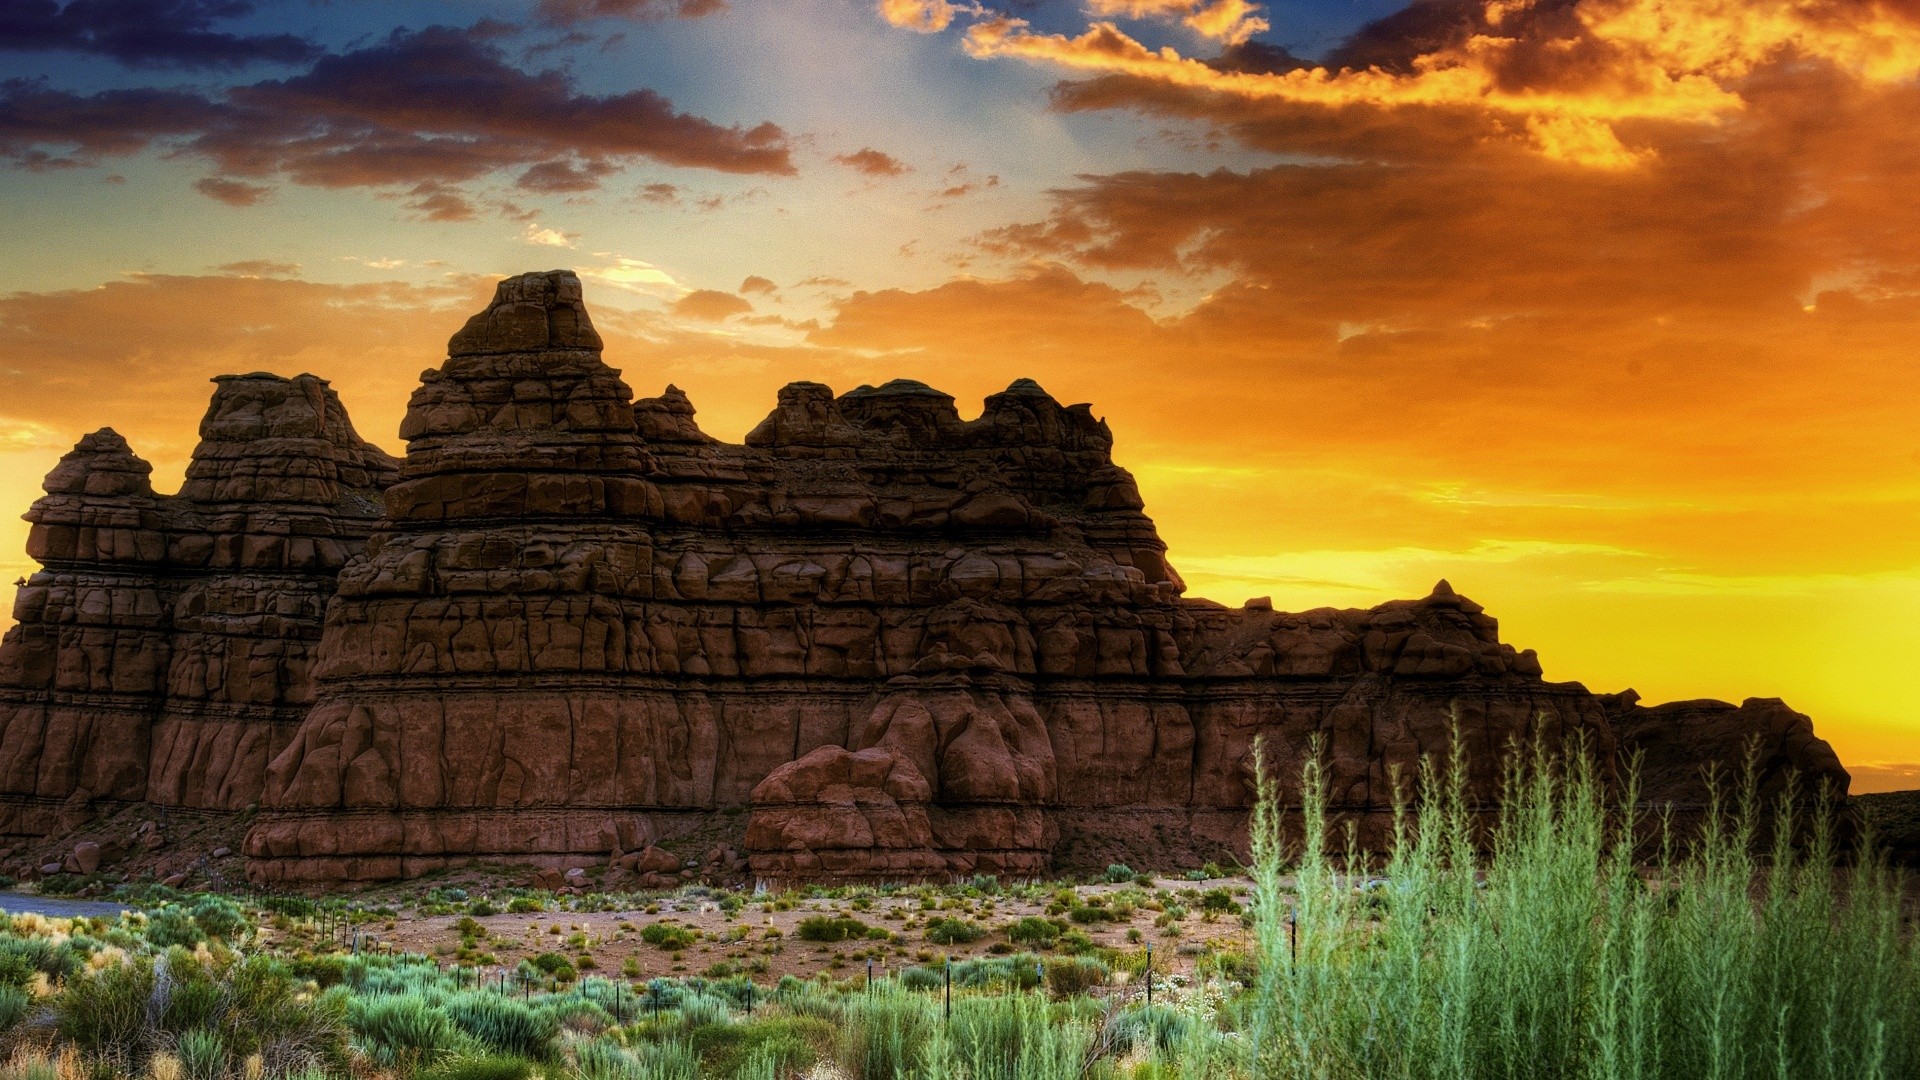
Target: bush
<point x="15" y="1004"/>
<point x="401" y="1030"/>
<point x="203" y="1054"/>
<point x="104" y="1013"/>
<point x="668" y="936"/>
<point x="951" y="931"/>
<point x="1076" y="975"/>
<point x="522" y="905"/>
<point x="505" y="1026"/>
<point x="1034" y="931"/>
<point x="218" y="918"/>
<point x="482" y="907"/>
<point x="922" y="978"/>
<point x="173" y="926"/>
<point x="1219" y="902"/>
<point x="831" y="928"/>
<point x="555" y="965"/>
<point x="1119" y="873"/>
<point x="487" y="1067"/>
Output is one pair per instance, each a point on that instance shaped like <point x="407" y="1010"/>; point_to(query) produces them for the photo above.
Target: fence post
<point x="949" y="1007"/>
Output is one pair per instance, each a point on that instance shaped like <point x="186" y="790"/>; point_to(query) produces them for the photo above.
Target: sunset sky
<point x="1607" y="311"/>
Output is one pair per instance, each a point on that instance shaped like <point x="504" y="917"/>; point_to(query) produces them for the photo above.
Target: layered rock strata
<point x="164" y="652"/>
<point x="875" y="641"/>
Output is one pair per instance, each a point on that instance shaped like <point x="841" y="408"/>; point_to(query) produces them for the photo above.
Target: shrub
<point x="521" y="905"/>
<point x="401" y="1030"/>
<point x="15" y="1004"/>
<point x="173" y="926"/>
<point x="203" y="1054"/>
<point x="951" y="931"/>
<point x="104" y="1013"/>
<point x="1219" y="902"/>
<point x="482" y="907"/>
<point x="831" y="928"/>
<point x="921" y="978"/>
<point x="218" y="918"/>
<point x="1076" y="975"/>
<point x="503" y="1025"/>
<point x="668" y="936"/>
<point x="485" y="1067"/>
<point x="556" y="965"/>
<point x="1118" y="873"/>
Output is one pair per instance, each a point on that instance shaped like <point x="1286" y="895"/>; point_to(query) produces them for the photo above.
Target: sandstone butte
<point x="876" y="641"/>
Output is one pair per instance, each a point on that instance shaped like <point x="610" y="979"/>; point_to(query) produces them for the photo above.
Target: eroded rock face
<point x="164" y="652"/>
<point x="903" y="643"/>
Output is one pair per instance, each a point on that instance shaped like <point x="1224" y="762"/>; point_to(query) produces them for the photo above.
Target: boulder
<point x="86" y="856"/>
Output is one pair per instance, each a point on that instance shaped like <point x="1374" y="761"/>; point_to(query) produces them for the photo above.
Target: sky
<point x="1606" y="311"/>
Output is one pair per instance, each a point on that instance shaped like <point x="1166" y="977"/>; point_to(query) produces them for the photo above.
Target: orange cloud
<point x="872" y="162"/>
<point x="1230" y="21"/>
<point x="1565" y="80"/>
<point x="924" y="16"/>
<point x="711" y="305"/>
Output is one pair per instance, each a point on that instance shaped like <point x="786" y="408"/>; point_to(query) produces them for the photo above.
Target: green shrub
<point x="1219" y="902"/>
<point x="555" y="965"/>
<point x="831" y="928"/>
<point x="504" y="1025"/>
<point x="218" y="918"/>
<point x="173" y="926"/>
<point x="668" y="936"/>
<point x="921" y="978"/>
<point x="483" y="1067"/>
<point x="1076" y="974"/>
<point x="1118" y="873"/>
<point x="401" y="1030"/>
<point x="15" y="1005"/>
<point x="203" y="1054"/>
<point x="522" y="905"/>
<point x="1034" y="931"/>
<point x="482" y="908"/>
<point x="104" y="1013"/>
<point x="951" y="931"/>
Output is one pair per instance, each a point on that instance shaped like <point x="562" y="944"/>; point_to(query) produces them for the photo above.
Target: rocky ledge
<point x="570" y="628"/>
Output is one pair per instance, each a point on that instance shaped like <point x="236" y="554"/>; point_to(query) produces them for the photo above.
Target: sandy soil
<point x="766" y="945"/>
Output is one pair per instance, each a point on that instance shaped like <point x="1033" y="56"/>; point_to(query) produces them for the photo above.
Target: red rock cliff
<point x="876" y="640"/>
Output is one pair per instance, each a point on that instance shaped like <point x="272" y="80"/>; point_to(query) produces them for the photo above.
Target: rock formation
<point x="876" y="640"/>
<point x="164" y="652"/>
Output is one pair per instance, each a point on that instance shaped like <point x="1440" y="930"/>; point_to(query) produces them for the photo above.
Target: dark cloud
<point x="232" y="192"/>
<point x="567" y="12"/>
<point x="439" y="106"/>
<point x="147" y="33"/>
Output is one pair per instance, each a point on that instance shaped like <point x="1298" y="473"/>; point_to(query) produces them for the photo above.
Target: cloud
<point x="255" y="268"/>
<point x="147" y="33"/>
<point x="1229" y="21"/>
<point x="436" y="107"/>
<point x="757" y="284"/>
<point x="568" y="12"/>
<point x="872" y="162"/>
<point x="711" y="305"/>
<point x="1575" y="80"/>
<point x="923" y="16"/>
<point x="563" y="177"/>
<point x="232" y="192"/>
<point x="550" y="237"/>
